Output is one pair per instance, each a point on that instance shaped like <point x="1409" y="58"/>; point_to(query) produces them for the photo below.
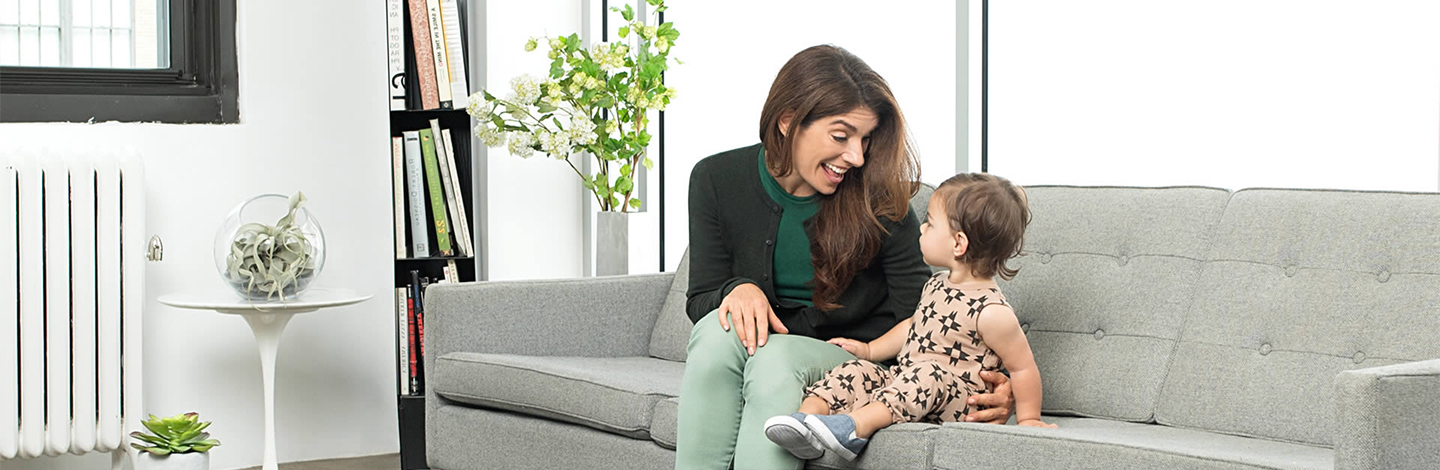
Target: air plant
<point x="269" y="261"/>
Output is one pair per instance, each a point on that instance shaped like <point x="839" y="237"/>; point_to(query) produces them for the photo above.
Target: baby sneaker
<point x="837" y="433"/>
<point x="790" y="433"/>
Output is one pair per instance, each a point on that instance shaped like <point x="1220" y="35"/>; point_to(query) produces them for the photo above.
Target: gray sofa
<point x="1179" y="327"/>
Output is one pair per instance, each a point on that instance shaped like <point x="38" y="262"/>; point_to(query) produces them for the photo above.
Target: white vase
<point x="612" y="243"/>
<point x="186" y="461"/>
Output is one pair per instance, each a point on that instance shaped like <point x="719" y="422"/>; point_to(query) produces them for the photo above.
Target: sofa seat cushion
<point x="1086" y="443"/>
<point x="615" y="394"/>
<point x="902" y="446"/>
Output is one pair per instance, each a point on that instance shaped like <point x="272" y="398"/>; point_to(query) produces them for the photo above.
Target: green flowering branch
<point x="594" y="101"/>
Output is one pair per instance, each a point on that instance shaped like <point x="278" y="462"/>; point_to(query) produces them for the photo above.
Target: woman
<point x="807" y="235"/>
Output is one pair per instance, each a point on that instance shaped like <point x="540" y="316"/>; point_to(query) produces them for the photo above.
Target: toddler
<point x="975" y="223"/>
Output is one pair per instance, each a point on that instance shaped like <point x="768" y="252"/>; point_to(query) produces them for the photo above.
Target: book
<point x="414" y="194"/>
<point x="447" y="186"/>
<point x="437" y="44"/>
<point x="437" y="197"/>
<point x="418" y="290"/>
<point x="397" y="155"/>
<point x="395" y="27"/>
<point x="461" y="218"/>
<point x="424" y="54"/>
<point x="402" y="323"/>
<point x="412" y="321"/>
<point x="455" y="53"/>
<point x="452" y="272"/>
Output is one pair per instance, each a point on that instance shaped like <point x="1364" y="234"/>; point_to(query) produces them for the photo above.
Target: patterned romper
<point x="938" y="368"/>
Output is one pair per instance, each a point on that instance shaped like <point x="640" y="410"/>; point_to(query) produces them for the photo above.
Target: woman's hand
<point x="752" y="315"/>
<point x="860" y="349"/>
<point x="1000" y="402"/>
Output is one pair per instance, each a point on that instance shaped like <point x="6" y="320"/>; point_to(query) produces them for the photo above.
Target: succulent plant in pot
<point x="175" y="443"/>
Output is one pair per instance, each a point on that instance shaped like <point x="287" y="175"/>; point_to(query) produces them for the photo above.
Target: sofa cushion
<point x="615" y="394"/>
<point x="671" y="334"/>
<point x="1301" y="285"/>
<point x="663" y="422"/>
<point x="903" y="446"/>
<point x="1084" y="443"/>
<point x="1105" y="279"/>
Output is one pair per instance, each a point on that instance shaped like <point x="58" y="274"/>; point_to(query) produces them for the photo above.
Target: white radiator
<point x="73" y="291"/>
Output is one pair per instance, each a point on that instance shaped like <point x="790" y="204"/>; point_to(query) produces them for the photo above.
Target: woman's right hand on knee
<point x="753" y="319"/>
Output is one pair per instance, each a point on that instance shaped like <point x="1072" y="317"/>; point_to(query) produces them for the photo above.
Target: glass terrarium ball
<point x="270" y="248"/>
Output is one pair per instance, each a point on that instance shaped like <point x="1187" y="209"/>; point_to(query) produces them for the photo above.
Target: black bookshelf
<point x="411" y="408"/>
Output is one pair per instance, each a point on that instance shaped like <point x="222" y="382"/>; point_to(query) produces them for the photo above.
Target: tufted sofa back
<point x="1299" y="286"/>
<point x="1199" y="308"/>
<point x="1105" y="283"/>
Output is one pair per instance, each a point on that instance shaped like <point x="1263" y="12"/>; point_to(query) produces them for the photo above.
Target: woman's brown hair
<point x="846" y="234"/>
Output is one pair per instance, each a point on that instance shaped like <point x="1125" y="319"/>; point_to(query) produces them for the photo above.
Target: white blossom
<point x="489" y="136"/>
<point x="556" y="144"/>
<point x="520" y="143"/>
<point x="526" y="88"/>
<point x="478" y="107"/>
<point x="582" y="130"/>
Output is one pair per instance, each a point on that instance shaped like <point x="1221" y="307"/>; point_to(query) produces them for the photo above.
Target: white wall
<point x="732" y="51"/>
<point x="1282" y="93"/>
<point x="535" y="204"/>
<point x="311" y="121"/>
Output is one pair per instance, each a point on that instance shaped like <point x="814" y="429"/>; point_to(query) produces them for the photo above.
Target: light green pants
<point x="727" y="395"/>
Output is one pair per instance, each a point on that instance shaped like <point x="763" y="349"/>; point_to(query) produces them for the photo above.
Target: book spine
<point x="395" y="28"/>
<point x="424" y="54"/>
<point x="420" y="284"/>
<point x="452" y="272"/>
<point x="462" y="220"/>
<point x="402" y="324"/>
<point x="447" y="184"/>
<point x="414" y="193"/>
<point x="397" y="155"/>
<point x="413" y="354"/>
<point x="455" y="53"/>
<point x="437" y="44"/>
<point x="437" y="198"/>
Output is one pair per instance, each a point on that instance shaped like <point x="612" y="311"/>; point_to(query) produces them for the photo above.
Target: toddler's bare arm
<point x="1001" y="331"/>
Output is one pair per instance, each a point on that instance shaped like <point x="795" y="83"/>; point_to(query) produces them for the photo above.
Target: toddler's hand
<point x="1035" y="423"/>
<point x="859" y="349"/>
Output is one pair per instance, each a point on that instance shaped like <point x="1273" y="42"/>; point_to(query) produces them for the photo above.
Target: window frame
<point x="200" y="86"/>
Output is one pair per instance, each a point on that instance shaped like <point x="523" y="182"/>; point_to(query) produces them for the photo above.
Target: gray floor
<point x="374" y="462"/>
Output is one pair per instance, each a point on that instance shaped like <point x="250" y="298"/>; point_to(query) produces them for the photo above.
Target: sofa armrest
<point x="1385" y="417"/>
<point x="597" y="317"/>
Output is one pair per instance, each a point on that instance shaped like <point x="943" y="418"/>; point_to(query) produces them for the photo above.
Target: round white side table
<point x="267" y="321"/>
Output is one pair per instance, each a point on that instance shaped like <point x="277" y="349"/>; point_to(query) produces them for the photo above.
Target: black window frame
<point x="200" y="86"/>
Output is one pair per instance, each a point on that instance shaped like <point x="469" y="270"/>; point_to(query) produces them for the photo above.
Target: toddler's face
<point x="937" y="239"/>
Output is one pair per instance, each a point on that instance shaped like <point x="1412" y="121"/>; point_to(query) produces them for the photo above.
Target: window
<point x="83" y="33"/>
<point x="118" y="60"/>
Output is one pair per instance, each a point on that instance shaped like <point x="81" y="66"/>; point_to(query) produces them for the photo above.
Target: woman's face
<point x="827" y="149"/>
